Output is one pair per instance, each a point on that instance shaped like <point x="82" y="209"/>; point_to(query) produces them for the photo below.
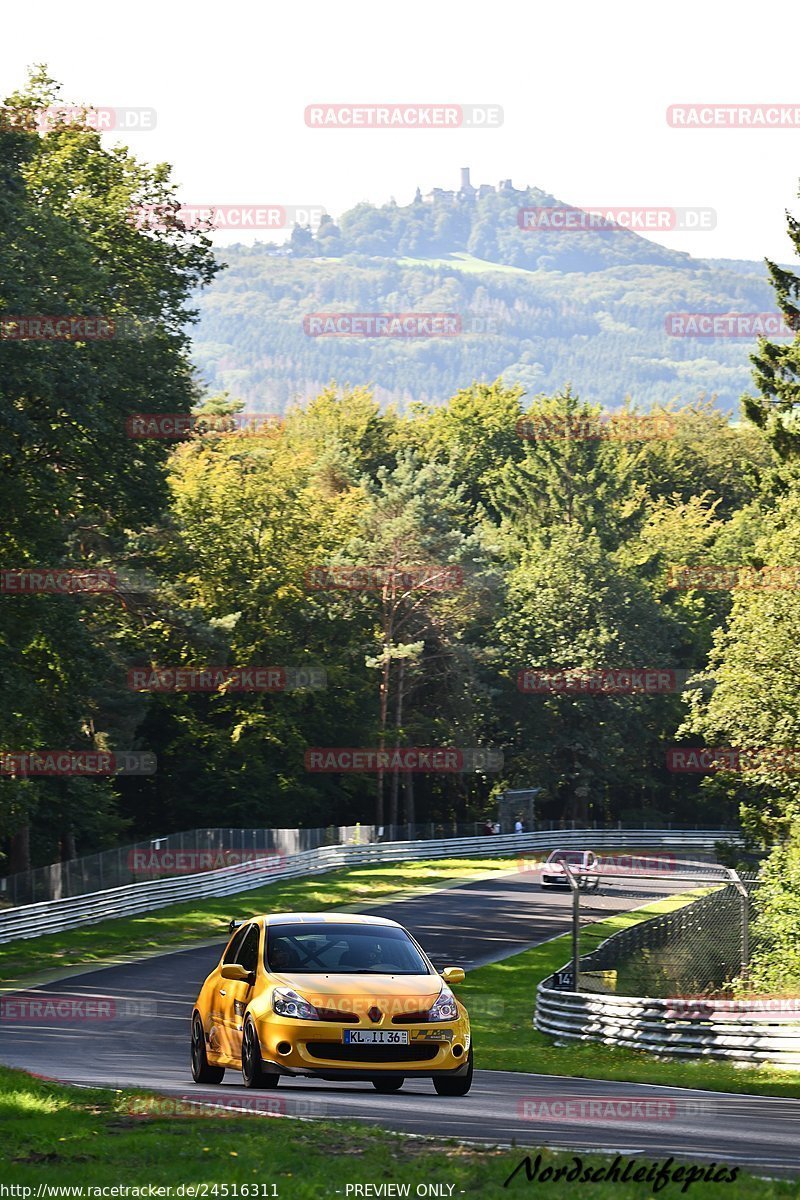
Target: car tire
<point x="253" y="1072"/>
<point x="202" y="1071"/>
<point x="390" y="1083"/>
<point x="455" y="1085"/>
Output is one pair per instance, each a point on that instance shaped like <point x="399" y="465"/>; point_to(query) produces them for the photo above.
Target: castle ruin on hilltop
<point x="466" y="192"/>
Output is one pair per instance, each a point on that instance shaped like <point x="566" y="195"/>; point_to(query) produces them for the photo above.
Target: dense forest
<point x="496" y="533"/>
<point x="536" y="307"/>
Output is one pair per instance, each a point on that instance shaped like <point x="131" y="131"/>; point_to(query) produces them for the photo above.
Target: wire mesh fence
<point x="698" y="949"/>
<point x="199" y="850"/>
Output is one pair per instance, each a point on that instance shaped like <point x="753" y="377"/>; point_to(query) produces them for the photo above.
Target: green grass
<point x="464" y="262"/>
<point x="63" y="1136"/>
<point x="458" y="260"/>
<point x="198" y="920"/>
<point x="501" y="998"/>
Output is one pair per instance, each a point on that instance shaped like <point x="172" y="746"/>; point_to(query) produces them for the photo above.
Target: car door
<point x="219" y="1039"/>
<point x="236" y="994"/>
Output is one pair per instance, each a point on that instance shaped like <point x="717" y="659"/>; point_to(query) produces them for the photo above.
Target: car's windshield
<point x="344" y="949"/>
<point x="571" y="856"/>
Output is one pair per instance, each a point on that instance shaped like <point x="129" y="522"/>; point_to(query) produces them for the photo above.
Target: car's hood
<point x="358" y="992"/>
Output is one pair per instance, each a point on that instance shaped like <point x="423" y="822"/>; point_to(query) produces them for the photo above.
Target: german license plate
<point x="376" y="1037"/>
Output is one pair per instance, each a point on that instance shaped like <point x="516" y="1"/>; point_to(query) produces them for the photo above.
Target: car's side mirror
<point x="453" y="975"/>
<point x="237" y="973"/>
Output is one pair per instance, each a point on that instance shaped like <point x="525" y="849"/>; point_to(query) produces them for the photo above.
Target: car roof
<point x="326" y="918"/>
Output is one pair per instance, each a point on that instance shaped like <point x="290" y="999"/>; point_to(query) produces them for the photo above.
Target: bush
<point x="775" y="964"/>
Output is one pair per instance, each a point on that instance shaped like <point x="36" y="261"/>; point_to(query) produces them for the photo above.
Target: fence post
<point x="744" y="897"/>
<point x="576" y="922"/>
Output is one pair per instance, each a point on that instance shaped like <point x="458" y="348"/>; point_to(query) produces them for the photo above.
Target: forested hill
<point x="541" y="307"/>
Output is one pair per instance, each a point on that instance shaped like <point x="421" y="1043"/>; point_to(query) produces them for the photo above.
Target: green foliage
<point x="776" y="367"/>
<point x="71" y="481"/>
<point x="775" y="963"/>
<point x="537" y="309"/>
<point x="570" y="607"/>
<point x="755" y="701"/>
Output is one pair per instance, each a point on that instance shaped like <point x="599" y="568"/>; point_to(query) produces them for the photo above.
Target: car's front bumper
<point x="318" y="1049"/>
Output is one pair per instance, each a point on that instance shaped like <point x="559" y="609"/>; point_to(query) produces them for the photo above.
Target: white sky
<point x="584" y="87"/>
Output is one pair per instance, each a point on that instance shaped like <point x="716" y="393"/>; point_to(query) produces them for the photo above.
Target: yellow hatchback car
<point x="335" y="997"/>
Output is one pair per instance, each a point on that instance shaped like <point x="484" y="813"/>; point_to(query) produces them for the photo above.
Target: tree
<point x="410" y="535"/>
<point x="72" y="482"/>
<point x="754" y="667"/>
<point x="570" y="607"/>
<point x="777" y="366"/>
<point x="570" y="474"/>
<point x="475" y="434"/>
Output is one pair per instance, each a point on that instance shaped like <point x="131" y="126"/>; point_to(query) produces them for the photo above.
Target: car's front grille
<point x="332" y="1014"/>
<point x="417" y="1018"/>
<point x="339" y="1052"/>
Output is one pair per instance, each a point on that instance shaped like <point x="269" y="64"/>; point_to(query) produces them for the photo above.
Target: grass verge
<point x="57" y="1136"/>
<point x="501" y="996"/>
<point x="181" y="924"/>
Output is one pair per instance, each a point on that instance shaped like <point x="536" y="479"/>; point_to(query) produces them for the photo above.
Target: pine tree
<point x="777" y="366"/>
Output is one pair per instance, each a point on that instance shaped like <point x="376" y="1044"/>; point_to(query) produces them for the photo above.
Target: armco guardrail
<point x="54" y="916"/>
<point x="214" y="848"/>
<point x="752" y="1031"/>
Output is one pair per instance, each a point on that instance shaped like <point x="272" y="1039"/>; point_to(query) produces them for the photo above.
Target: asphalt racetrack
<point x="146" y="1045"/>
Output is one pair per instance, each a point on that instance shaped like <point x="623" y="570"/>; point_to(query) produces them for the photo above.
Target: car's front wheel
<point x="390" y="1083"/>
<point x="455" y="1085"/>
<point x="202" y="1071"/>
<point x="253" y="1072"/>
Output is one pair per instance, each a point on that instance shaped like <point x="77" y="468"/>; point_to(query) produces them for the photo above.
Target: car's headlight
<point x="288" y="1003"/>
<point x="445" y="1007"/>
